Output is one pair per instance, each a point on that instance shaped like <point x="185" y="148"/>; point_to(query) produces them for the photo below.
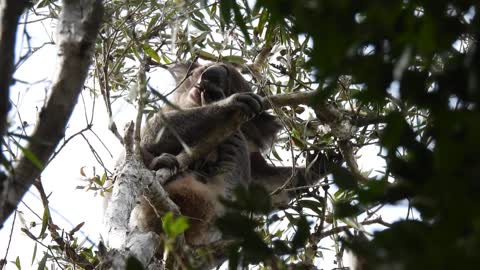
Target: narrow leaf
<point x="17" y="263"/>
<point x="151" y="52"/>
<point x="45" y="218"/>
<point x="343" y="178"/>
<point x="34" y="253"/>
<point x="77" y="228"/>
<point x="43" y="262"/>
<point x="302" y="234"/>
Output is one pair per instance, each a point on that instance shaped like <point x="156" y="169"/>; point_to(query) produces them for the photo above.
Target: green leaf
<point x="97" y="180"/>
<point x="225" y="14"/>
<point x="213" y="10"/>
<point x="45" y="218"/>
<point x="199" y="39"/>
<point x="315" y="206"/>
<point x="77" y="228"/>
<point x="43" y="262"/>
<point x="215" y="45"/>
<point x="151" y="52"/>
<point x="104" y="178"/>
<point x="34" y="253"/>
<point x="28" y="233"/>
<point x="174" y="226"/>
<point x="200" y="25"/>
<point x="135" y="51"/>
<point x="152" y="22"/>
<point x="302" y="233"/>
<point x="17" y="263"/>
<point x="166" y="60"/>
<point x="343" y="178"/>
<point x="262" y="22"/>
<point x="275" y="154"/>
<point x="299" y="142"/>
<point x="241" y="23"/>
<point x="281" y="248"/>
<point x="346" y="209"/>
<point x="270" y="32"/>
<point x="352" y="223"/>
<point x="88" y="253"/>
<point x="206" y="55"/>
<point x="30" y="156"/>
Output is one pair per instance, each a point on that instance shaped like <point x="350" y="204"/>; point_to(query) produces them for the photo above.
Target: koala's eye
<point x="216" y="74"/>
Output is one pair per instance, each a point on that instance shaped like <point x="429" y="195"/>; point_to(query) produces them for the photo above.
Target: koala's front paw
<point x="249" y="103"/>
<point x="164" y="161"/>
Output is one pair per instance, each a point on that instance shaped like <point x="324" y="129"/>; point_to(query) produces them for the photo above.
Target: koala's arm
<point x="164" y="133"/>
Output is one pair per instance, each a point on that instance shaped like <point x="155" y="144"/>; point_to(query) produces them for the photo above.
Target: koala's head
<point x="203" y="84"/>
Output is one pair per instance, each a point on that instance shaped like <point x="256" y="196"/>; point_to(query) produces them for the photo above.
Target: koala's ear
<point x="179" y="71"/>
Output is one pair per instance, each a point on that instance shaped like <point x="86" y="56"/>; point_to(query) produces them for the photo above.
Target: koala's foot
<point x="164" y="161"/>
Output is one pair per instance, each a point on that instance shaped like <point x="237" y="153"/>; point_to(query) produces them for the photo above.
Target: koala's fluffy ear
<point x="179" y="71"/>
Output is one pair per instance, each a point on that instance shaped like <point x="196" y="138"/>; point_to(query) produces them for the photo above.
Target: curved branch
<point x="347" y="152"/>
<point x="77" y="29"/>
<point x="260" y="62"/>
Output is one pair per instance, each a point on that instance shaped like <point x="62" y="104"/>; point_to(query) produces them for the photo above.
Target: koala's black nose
<point x="216" y="74"/>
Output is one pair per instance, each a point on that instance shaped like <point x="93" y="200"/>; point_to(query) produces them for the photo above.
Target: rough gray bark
<point x="132" y="180"/>
<point x="77" y="29"/>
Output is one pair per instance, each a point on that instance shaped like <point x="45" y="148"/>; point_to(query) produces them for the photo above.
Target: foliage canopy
<point x="402" y="75"/>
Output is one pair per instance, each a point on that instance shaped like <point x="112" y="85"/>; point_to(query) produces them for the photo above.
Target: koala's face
<point x="208" y="83"/>
<point x="212" y="85"/>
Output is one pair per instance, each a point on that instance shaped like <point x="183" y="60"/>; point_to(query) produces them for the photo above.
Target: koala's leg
<point x="234" y="163"/>
<point x="197" y="202"/>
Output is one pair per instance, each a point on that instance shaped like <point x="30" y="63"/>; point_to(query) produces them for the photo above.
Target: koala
<point x="208" y="97"/>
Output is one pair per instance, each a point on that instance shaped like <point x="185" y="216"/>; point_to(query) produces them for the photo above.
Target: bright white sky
<point x="70" y="206"/>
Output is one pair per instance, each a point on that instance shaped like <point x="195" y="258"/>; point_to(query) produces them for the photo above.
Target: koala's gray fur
<point x="210" y="96"/>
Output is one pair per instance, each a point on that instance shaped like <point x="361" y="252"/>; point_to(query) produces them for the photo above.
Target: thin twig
<point x="340" y="229"/>
<point x="69" y="251"/>
<point x="4" y="261"/>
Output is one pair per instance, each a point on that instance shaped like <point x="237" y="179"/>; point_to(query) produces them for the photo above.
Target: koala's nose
<point x="215" y="74"/>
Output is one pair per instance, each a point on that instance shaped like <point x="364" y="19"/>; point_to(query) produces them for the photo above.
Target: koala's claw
<point x="250" y="103"/>
<point x="165" y="161"/>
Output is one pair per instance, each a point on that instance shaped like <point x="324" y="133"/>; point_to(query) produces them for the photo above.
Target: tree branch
<point x="9" y="15"/>
<point x="77" y="29"/>
<point x="347" y="152"/>
<point x="320" y="235"/>
<point x="132" y="181"/>
<point x="10" y="11"/>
